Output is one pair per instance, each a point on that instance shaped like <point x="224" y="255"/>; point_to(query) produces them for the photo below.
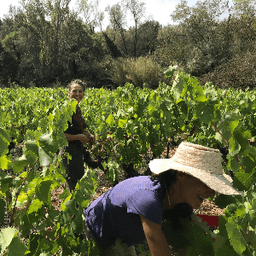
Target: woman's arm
<point x="155" y="237"/>
<point x="81" y="137"/>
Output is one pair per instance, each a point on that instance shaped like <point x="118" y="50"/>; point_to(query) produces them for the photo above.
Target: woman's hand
<point x="90" y="137"/>
<point x="83" y="138"/>
<point x="251" y="141"/>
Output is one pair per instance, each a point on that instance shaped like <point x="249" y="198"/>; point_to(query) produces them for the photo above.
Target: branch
<point x="17" y="194"/>
<point x="220" y="133"/>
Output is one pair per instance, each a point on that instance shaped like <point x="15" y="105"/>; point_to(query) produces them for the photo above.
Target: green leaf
<point x="45" y="159"/>
<point x="35" y="206"/>
<point x="207" y="114"/>
<point x="122" y="122"/>
<point x="234" y="146"/>
<point x="179" y="89"/>
<point x="17" y="248"/>
<point x="6" y="182"/>
<point x="235" y="237"/>
<point x="30" y="150"/>
<point x="110" y="120"/>
<point x="243" y="180"/>
<point x="6" y="237"/>
<point x="46" y="141"/>
<point x="4" y="141"/>
<point x="5" y="163"/>
<point x="253" y="220"/>
<point x="231" y="122"/>
<point x="170" y="71"/>
<point x="112" y="172"/>
<point x="248" y="163"/>
<point x="43" y="190"/>
<point x="223" y="200"/>
<point x="19" y="164"/>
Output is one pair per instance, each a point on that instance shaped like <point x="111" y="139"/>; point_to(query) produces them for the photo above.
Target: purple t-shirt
<point x="116" y="213"/>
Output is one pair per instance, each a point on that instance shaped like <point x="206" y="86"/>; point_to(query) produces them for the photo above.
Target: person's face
<point x="192" y="190"/>
<point x="76" y="92"/>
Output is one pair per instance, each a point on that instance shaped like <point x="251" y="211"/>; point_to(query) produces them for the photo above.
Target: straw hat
<point x="201" y="162"/>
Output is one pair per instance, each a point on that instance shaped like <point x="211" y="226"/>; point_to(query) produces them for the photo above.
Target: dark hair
<point x="166" y="179"/>
<point x="179" y="211"/>
<point x="79" y="82"/>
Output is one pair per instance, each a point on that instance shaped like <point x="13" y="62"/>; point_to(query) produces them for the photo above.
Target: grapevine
<point x="131" y="126"/>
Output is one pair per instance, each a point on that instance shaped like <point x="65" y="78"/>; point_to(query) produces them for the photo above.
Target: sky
<point x="159" y="10"/>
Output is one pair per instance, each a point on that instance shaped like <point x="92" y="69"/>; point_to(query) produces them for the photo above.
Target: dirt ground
<point x="207" y="207"/>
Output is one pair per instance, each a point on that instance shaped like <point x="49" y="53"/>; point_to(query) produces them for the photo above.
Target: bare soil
<point x="207" y="207"/>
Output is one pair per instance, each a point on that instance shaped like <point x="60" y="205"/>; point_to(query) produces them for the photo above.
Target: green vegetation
<point x="46" y="44"/>
<point x="132" y="125"/>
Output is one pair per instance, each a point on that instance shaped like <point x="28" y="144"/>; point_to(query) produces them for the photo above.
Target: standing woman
<point x="135" y="209"/>
<point x="77" y="137"/>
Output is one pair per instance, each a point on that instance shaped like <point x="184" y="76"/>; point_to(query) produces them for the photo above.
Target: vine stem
<point x="17" y="194"/>
<point x="219" y="133"/>
<point x="237" y="159"/>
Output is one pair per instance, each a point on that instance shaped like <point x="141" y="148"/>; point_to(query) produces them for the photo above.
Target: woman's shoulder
<point x="134" y="184"/>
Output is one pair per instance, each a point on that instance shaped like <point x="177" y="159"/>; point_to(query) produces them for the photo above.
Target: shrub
<point x="141" y="72"/>
<point x="238" y="73"/>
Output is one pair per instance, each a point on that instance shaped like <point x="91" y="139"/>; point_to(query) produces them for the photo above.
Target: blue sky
<point x="160" y="10"/>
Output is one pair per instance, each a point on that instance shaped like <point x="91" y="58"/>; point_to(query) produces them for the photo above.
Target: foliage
<point x="26" y="198"/>
<point x="45" y="43"/>
<point x="142" y="72"/>
<point x="237" y="73"/>
<point x="236" y="235"/>
<point x="193" y="235"/>
<point x="91" y="13"/>
<point x="147" y="33"/>
<point x="51" y="44"/>
<point x="137" y="9"/>
<point x="131" y="125"/>
<point x="8" y="66"/>
<point x="172" y="47"/>
<point x="209" y="39"/>
<point x="117" y="20"/>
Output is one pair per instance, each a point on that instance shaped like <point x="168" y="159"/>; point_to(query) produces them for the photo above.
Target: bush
<point x="141" y="72"/>
<point x="237" y="73"/>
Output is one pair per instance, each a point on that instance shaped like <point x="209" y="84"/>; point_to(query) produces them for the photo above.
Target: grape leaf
<point x="17" y="248"/>
<point x="235" y="237"/>
<point x="6" y="237"/>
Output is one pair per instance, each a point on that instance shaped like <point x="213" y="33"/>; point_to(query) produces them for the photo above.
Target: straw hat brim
<point x="219" y="183"/>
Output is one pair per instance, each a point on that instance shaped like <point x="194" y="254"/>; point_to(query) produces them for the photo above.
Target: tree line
<point x="45" y="43"/>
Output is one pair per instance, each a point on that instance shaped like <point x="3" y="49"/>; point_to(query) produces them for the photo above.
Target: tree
<point x="91" y="13"/>
<point x="8" y="66"/>
<point x="244" y="8"/>
<point x="117" y="21"/>
<point x="147" y="41"/>
<point x="112" y="47"/>
<point x="137" y="10"/>
<point x="220" y="38"/>
<point x="172" y="47"/>
<point x="209" y="46"/>
<point x="51" y="44"/>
